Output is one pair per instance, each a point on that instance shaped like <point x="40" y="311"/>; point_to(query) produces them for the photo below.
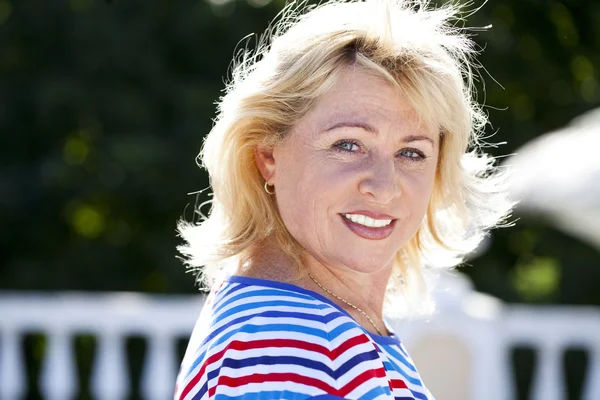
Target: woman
<point x="339" y="163"/>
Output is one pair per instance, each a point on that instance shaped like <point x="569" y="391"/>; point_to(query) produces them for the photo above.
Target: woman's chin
<point x="366" y="265"/>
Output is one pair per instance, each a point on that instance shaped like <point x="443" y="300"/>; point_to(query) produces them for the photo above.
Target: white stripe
<point x="359" y="369"/>
<point x="371" y="384"/>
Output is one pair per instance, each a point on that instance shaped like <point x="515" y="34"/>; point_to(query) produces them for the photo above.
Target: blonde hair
<point x="419" y="50"/>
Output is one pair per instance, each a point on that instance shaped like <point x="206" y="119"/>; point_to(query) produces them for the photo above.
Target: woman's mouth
<point x="367" y="227"/>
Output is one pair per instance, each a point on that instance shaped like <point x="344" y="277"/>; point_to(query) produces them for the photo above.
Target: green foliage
<point x="104" y="105"/>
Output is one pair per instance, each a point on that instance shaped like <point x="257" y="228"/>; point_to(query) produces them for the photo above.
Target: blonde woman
<point x="343" y="159"/>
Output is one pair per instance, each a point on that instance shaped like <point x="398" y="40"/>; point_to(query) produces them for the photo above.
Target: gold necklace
<point x="348" y="303"/>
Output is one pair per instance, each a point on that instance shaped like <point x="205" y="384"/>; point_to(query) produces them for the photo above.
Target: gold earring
<point x="267" y="188"/>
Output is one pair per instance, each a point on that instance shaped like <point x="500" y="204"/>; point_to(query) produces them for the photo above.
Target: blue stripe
<point x="343" y="328"/>
<point x="272" y="303"/>
<point x="201" y="392"/>
<point x="394" y="353"/>
<point x="293" y="360"/>
<point x="196" y="362"/>
<point x="272" y="360"/>
<point x="249" y="328"/>
<point x="356" y="360"/>
<point x="263" y="292"/>
<point x="418" y="395"/>
<point x="403" y="351"/>
<point x="394" y="367"/>
<point x="226" y="290"/>
<point x="272" y="314"/>
<point x="271" y="395"/>
<point x="376" y="392"/>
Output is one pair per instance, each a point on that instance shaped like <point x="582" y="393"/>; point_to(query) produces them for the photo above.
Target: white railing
<point x="479" y="351"/>
<point x="109" y="317"/>
<point x="471" y="335"/>
<point x="463" y="352"/>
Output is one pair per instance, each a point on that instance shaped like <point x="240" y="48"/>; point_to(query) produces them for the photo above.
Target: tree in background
<point x="103" y="107"/>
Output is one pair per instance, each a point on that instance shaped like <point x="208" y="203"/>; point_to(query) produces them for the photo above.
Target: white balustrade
<point x="111" y="318"/>
<point x="551" y="331"/>
<point x="485" y="328"/>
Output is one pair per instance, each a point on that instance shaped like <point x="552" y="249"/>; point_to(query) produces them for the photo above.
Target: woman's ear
<point x="265" y="162"/>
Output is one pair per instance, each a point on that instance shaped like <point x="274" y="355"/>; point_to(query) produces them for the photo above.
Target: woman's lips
<point x="367" y="232"/>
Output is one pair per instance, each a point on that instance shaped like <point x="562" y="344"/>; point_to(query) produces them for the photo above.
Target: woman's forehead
<point x="361" y="96"/>
<point x="371" y="116"/>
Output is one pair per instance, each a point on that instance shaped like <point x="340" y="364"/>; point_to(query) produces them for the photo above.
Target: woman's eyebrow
<point x="353" y="124"/>
<point x="417" y="138"/>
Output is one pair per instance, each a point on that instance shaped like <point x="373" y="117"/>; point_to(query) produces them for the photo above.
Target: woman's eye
<point x="412" y="154"/>
<point x="347" y="146"/>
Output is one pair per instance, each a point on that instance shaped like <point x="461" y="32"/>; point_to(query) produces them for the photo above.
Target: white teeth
<point x="361" y="219"/>
<point x="367" y="221"/>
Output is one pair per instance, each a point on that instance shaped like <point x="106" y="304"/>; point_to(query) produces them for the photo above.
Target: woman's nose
<point x="382" y="182"/>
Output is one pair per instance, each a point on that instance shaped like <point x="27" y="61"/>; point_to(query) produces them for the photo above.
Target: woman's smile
<point x="369" y="228"/>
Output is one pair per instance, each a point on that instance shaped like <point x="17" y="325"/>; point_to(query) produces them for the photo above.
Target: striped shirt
<point x="263" y="340"/>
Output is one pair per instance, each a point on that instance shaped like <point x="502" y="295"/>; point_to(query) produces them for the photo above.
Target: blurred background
<point x="104" y="106"/>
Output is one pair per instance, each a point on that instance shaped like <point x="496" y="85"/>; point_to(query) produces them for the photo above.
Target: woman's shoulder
<point x="255" y="308"/>
<point x="251" y="314"/>
<point x="264" y="333"/>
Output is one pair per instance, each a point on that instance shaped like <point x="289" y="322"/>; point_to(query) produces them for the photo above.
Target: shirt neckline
<point x="380" y="339"/>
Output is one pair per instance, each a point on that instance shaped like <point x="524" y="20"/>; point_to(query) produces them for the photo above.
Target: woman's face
<point x="354" y="176"/>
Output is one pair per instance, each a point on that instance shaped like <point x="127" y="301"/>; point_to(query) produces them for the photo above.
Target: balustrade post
<point x="58" y="379"/>
<point x="12" y="372"/>
<point x="110" y="380"/>
<point x="591" y="388"/>
<point x="548" y="381"/>
<point x="159" y="374"/>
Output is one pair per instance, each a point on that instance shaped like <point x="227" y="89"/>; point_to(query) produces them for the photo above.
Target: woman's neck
<point x="363" y="290"/>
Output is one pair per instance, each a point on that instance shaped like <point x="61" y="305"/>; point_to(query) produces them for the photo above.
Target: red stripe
<point x="274" y="343"/>
<point x="273" y="377"/>
<point x="348" y="344"/>
<point x="196" y="378"/>
<point x="360" y="379"/>
<point x="188" y="388"/>
<point x="397" y="384"/>
<point x="300" y="344"/>
<point x="279" y="343"/>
